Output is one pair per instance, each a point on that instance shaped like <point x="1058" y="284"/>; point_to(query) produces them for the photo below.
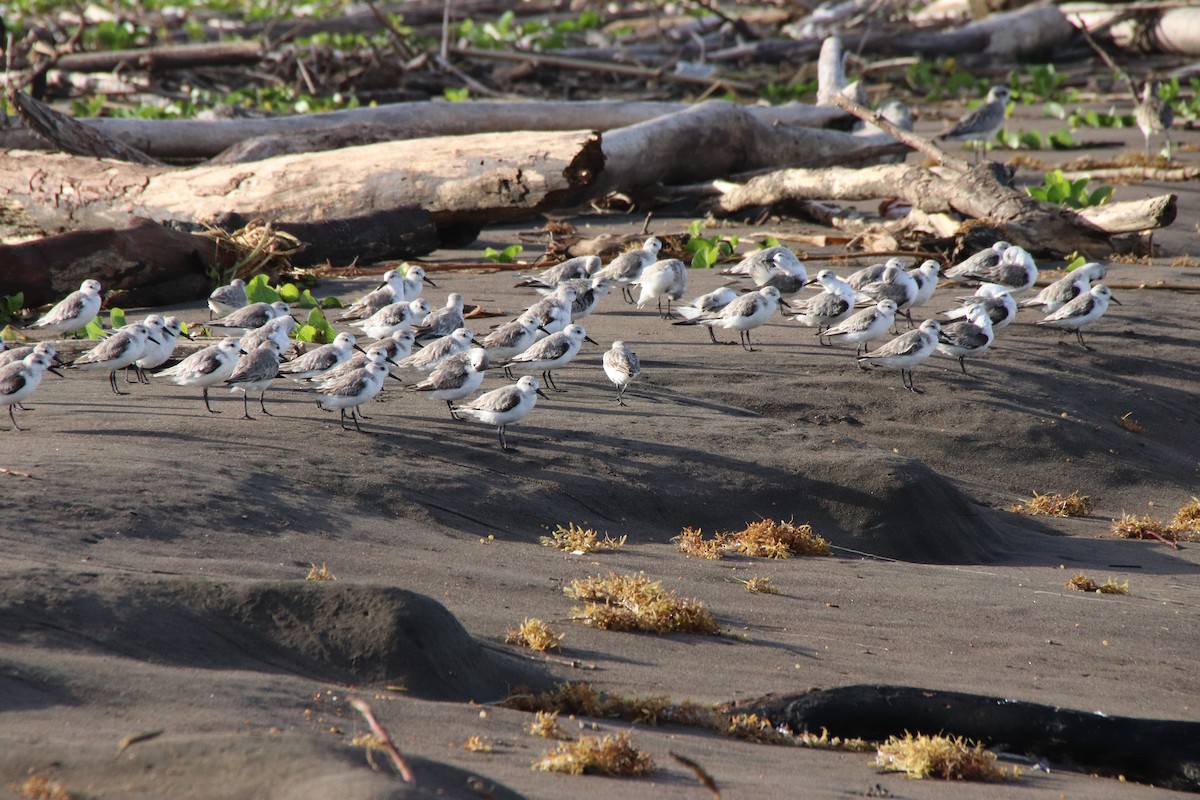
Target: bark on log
<point x="981" y="194"/>
<point x="151" y="59"/>
<point x="722" y="139"/>
<point x="157" y="265"/>
<point x="193" y="140"/>
<point x="457" y="179"/>
<point x="68" y="135"/>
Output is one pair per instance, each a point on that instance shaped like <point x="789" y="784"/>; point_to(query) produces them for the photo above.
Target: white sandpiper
<point x="386" y="321"/>
<point x="996" y="299"/>
<point x="1082" y="311"/>
<point x="833" y="305"/>
<point x="666" y="278"/>
<point x="318" y="361"/>
<point x="252" y="316"/>
<point x="351" y="390"/>
<point x="73" y="312"/>
<point x="572" y="268"/>
<point x="982" y="124"/>
<point x="906" y="351"/>
<point x="627" y="267"/>
<point x="442" y="321"/>
<point x="744" y="314"/>
<point x="553" y="352"/>
<point x="437" y="351"/>
<point x="622" y="367"/>
<point x="864" y="326"/>
<point x="706" y="303"/>
<point x="19" y="379"/>
<point x="206" y="367"/>
<point x="117" y="352"/>
<point x="504" y="406"/>
<point x="456" y="377"/>
<point x="391" y="290"/>
<point x="254" y="373"/>
<point x="969" y="337"/>
<point x="227" y="299"/>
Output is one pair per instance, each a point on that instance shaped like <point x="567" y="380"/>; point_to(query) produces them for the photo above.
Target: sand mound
<point x="280" y="767"/>
<point x="327" y="631"/>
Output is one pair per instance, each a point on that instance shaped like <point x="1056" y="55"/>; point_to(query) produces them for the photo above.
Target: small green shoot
<point x="116" y="318"/>
<point x="316" y="329"/>
<point x="11" y="307"/>
<point x="505" y="256"/>
<point x="454" y="95"/>
<point x="707" y="252"/>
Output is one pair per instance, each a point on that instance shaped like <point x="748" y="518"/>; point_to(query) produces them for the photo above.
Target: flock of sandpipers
<point x="409" y="336"/>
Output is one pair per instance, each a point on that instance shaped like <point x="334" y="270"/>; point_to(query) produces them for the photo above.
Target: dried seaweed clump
<point x="1054" y="504"/>
<point x="1187" y="520"/>
<point x="577" y="539"/>
<point x="42" y="787"/>
<point x="536" y="635"/>
<point x="760" y="585"/>
<point x="770" y="539"/>
<point x="545" y="724"/>
<point x="946" y="757"/>
<point x="320" y="573"/>
<point x="636" y="603"/>
<point x="589" y="755"/>
<point x="1083" y="583"/>
<point x="766" y="538"/>
<point x="478" y="744"/>
<point x="244" y="253"/>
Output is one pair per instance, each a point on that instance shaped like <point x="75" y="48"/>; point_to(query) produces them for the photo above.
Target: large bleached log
<point x="718" y="139"/>
<point x="194" y="140"/>
<point x="457" y="179"/>
<point x="982" y="193"/>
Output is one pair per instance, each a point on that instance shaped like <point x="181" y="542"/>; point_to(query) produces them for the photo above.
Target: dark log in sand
<point x="1160" y="752"/>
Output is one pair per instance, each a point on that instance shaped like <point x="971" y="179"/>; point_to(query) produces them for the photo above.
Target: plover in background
<point x="227" y="299"/>
<point x="981" y="125"/>
<point x="390" y="291"/>
<point x="1154" y="117"/>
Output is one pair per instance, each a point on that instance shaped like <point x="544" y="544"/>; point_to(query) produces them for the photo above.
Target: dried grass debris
<point x="1054" y="504"/>
<point x="636" y="603"/>
<point x="589" y="755"/>
<point x="320" y="573"/>
<point x="536" y="635"/>
<point x="766" y="538"/>
<point x="577" y="539"/>
<point x="1082" y="583"/>
<point x="545" y="724"/>
<point x="946" y="757"/>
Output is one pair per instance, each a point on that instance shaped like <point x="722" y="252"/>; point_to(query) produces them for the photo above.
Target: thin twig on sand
<point x="386" y="743"/>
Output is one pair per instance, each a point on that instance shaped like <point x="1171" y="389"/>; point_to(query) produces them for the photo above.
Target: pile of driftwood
<point x="121" y="199"/>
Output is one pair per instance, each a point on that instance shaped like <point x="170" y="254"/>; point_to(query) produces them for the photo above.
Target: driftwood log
<point x="195" y="140"/>
<point x="983" y="193"/>
<point x="1159" y="752"/>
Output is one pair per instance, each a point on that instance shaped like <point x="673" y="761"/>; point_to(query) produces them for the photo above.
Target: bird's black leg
<point x="262" y="403"/>
<point x="246" y="406"/>
<point x="453" y="413"/>
<point x="112" y="381"/>
<point x="204" y="394"/>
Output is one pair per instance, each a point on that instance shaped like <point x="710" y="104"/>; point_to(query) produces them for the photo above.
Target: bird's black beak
<point x="431" y="283"/>
<point x="1115" y="300"/>
<point x="152" y="339"/>
<point x="56" y="372"/>
<point x="187" y="336"/>
<point x="358" y="347"/>
<point x="542" y="328"/>
<point x="785" y="303"/>
<point x="476" y="342"/>
<point x="587" y="338"/>
<point x="395" y="377"/>
<point x="543" y="394"/>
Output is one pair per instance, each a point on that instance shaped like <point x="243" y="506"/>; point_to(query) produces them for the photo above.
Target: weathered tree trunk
<point x="194" y="140"/>
<point x="457" y="179"/>
<point x="981" y="193"/>
<point x="176" y="56"/>
<point x="155" y="264"/>
<point x="718" y="139"/>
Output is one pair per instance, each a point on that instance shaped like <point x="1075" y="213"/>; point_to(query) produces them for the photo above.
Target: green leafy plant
<point x="1038" y="82"/>
<point x="258" y="290"/>
<point x="316" y="329"/>
<point x="942" y="78"/>
<point x="505" y="256"/>
<point x="537" y="34"/>
<point x="1079" y="118"/>
<point x="1057" y="189"/>
<point x="11" y="306"/>
<point x="116" y="317"/>
<point x="707" y="252"/>
<point x="1060" y="139"/>
<point x="456" y="95"/>
<point x="779" y="93"/>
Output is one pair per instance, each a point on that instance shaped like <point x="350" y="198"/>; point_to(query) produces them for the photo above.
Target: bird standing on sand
<point x="318" y="361"/>
<point x="981" y="125"/>
<point x="864" y="326"/>
<point x="622" y="367"/>
<point x="391" y="290"/>
<point x="437" y="351"/>
<point x="743" y="315"/>
<point x="504" y="406"/>
<point x="995" y="299"/>
<point x="254" y="373"/>
<point x="252" y="316"/>
<point x="169" y="331"/>
<point x="627" y="267"/>
<point x="830" y="307"/>
<point x="706" y="303"/>
<point x="20" y="378"/>
<point x="1014" y="269"/>
<point x="351" y="390"/>
<point x="906" y="351"/>
<point x="456" y="377"/>
<point x="1053" y="297"/>
<point x="1082" y="311"/>
<point x="666" y="278"/>
<point x="117" y="352"/>
<point x="1153" y="116"/>
<point x="969" y="337"/>
<point x="571" y="269"/>
<point x="205" y="368"/>
<point x="227" y="299"/>
<point x="73" y="312"/>
<point x="442" y="321"/>
<point x="553" y="352"/>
